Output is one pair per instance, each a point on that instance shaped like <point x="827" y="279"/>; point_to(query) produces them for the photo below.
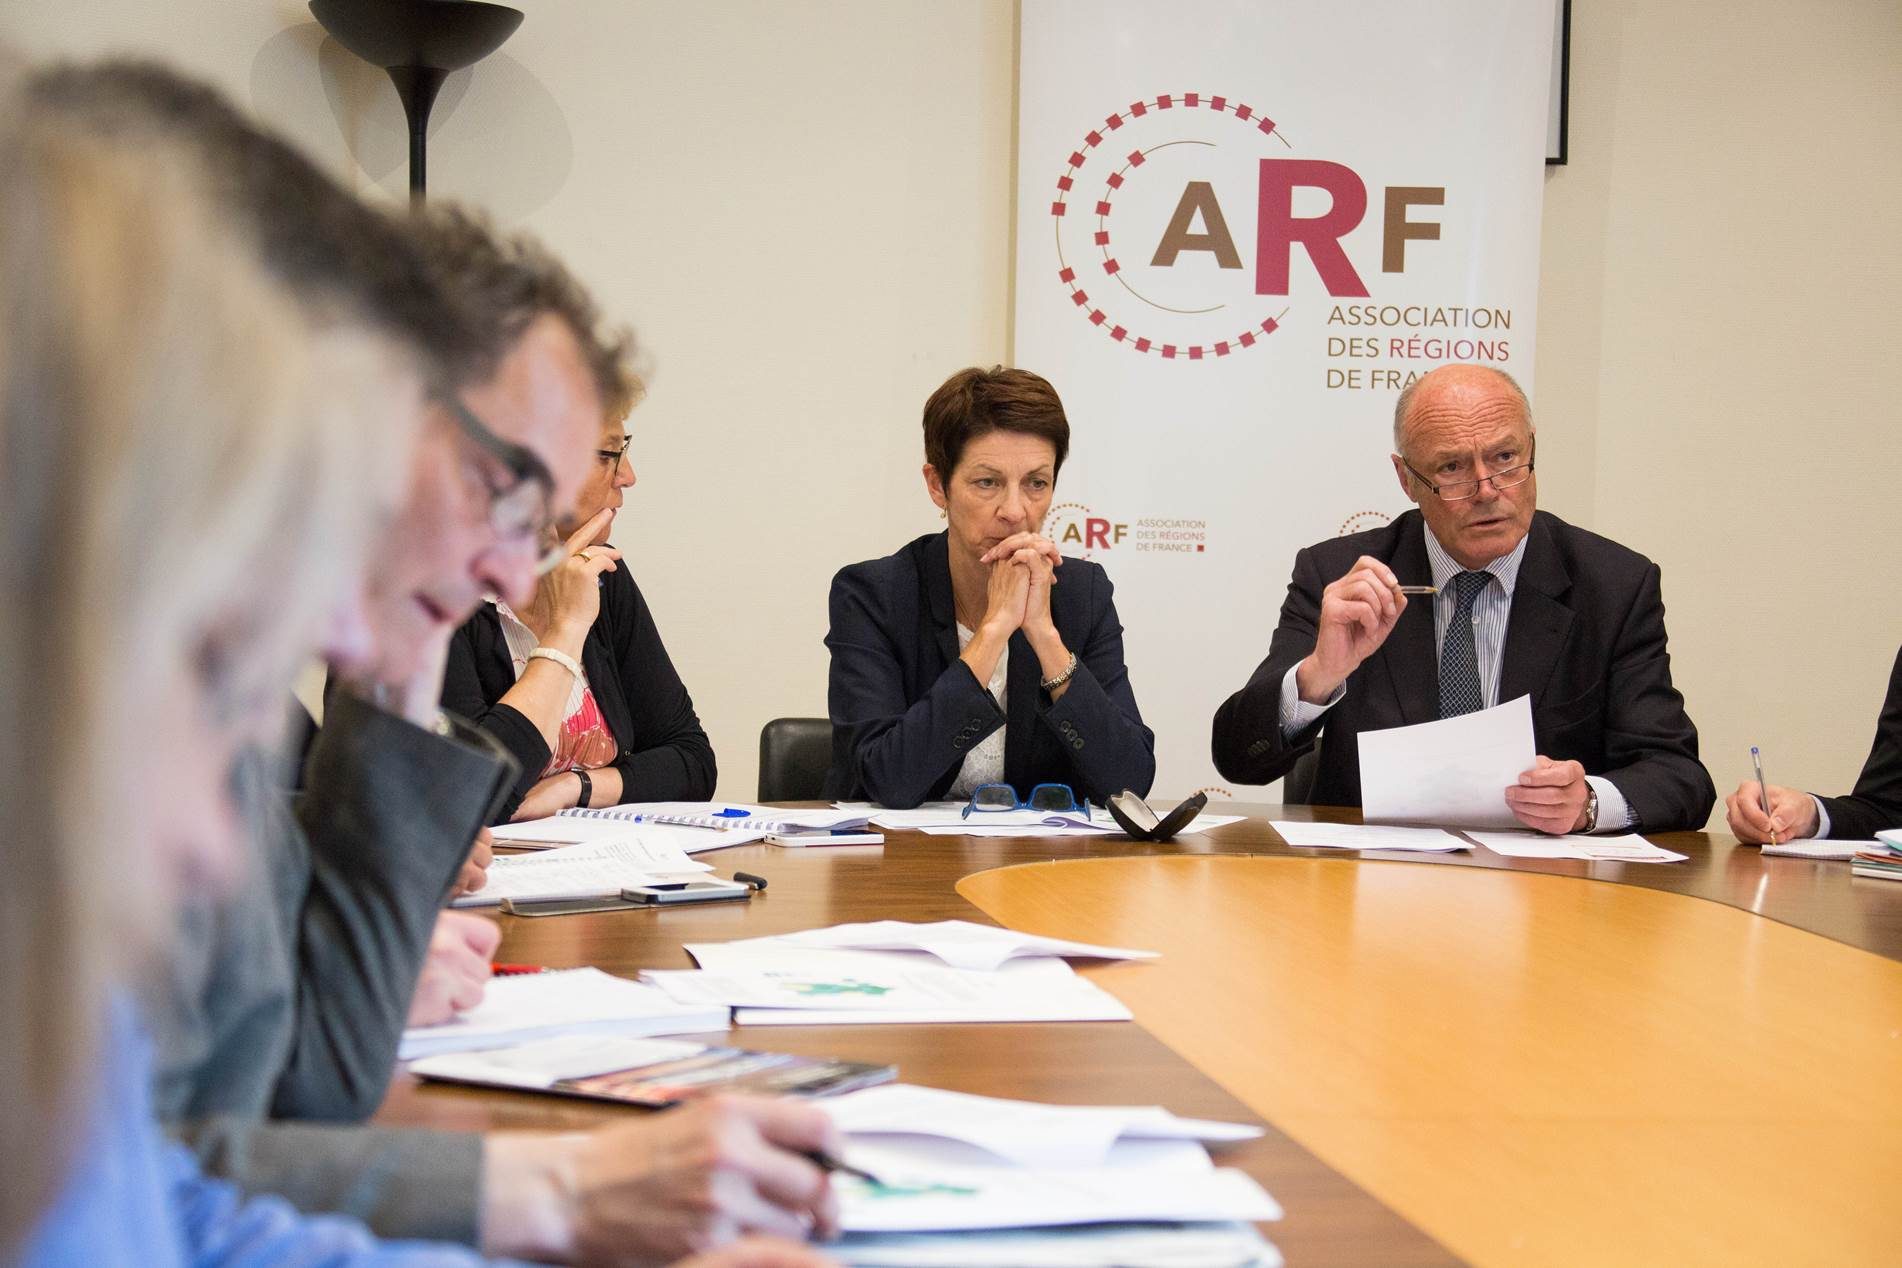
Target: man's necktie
<point x="1459" y="658"/>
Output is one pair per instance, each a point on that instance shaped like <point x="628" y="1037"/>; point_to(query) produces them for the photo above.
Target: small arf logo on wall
<point x="1147" y="208"/>
<point x="1077" y="530"/>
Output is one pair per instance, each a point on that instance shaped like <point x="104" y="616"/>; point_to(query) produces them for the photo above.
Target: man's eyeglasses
<point x="1461" y="490"/>
<point x="1002" y="798"/>
<point x="612" y="454"/>
<point x="522" y="509"/>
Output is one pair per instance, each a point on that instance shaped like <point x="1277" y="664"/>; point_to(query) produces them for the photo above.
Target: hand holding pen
<point x="1760" y="813"/>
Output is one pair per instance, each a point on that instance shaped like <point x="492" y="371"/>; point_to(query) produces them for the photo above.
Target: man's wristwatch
<point x="1591" y="809"/>
<point x="587" y="788"/>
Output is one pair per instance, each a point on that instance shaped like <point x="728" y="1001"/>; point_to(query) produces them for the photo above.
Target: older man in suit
<point x="1526" y="605"/>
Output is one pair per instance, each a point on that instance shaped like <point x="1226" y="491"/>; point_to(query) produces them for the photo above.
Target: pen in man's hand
<point x="1419" y="589"/>
<point x="1763" y="790"/>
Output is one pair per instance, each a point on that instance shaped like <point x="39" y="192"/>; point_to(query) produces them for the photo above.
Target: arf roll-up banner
<point x="1242" y="227"/>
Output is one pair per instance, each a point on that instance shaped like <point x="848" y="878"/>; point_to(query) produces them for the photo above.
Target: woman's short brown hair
<point x="974" y="402"/>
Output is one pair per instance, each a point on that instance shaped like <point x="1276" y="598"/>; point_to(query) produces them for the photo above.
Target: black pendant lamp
<point x="419" y="42"/>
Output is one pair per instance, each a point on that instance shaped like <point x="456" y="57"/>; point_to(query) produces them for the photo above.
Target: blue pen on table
<point x="1763" y="789"/>
<point x="728" y="813"/>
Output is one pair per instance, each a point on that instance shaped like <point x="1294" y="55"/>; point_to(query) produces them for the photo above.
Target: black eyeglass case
<point x="1133" y="816"/>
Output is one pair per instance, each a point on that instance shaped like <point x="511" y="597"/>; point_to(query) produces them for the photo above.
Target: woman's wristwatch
<point x="587" y="788"/>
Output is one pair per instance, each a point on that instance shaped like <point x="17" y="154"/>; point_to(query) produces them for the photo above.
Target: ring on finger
<point x="584" y="556"/>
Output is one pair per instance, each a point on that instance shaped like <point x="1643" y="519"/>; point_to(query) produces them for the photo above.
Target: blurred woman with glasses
<point x="577" y="684"/>
<point x="979" y="655"/>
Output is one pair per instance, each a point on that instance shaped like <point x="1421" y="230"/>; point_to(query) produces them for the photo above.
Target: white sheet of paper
<point x="959" y="943"/>
<point x="1370" y="836"/>
<point x="950" y="815"/>
<point x="972" y="827"/>
<point x="1205" y="1245"/>
<point x="534" y="1006"/>
<point x="1453" y="772"/>
<point x="947" y="818"/>
<point x="1043" y="988"/>
<point x="593" y="869"/>
<point x="1825" y="849"/>
<point x="1022" y="1132"/>
<point x="542" y="834"/>
<point x="935" y="990"/>
<point x="899" y="1154"/>
<point x="1626" y="848"/>
<point x="942" y="1198"/>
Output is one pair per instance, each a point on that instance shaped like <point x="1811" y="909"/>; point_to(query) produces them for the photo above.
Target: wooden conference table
<point x="1458" y="1057"/>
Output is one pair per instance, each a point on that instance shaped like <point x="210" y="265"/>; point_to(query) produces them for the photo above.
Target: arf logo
<point x="1078" y="531"/>
<point x="1152" y="217"/>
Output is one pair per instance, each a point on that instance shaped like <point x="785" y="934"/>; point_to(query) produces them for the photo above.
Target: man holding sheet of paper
<point x="1524" y="604"/>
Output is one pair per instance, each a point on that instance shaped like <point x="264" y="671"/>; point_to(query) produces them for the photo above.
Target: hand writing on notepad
<point x="1792" y="814"/>
<point x="652" y="1190"/>
<point x="456" y="970"/>
<point x="475" y="869"/>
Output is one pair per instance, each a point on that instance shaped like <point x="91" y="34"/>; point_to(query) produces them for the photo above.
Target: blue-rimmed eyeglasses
<point x="1000" y="798"/>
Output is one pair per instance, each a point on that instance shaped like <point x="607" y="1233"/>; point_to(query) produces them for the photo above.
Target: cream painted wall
<point x="805" y="210"/>
<point x="1719" y="335"/>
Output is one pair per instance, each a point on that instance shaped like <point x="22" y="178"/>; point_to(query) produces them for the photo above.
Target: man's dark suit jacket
<point x="1877" y="801"/>
<point x="1585" y="639"/>
<point x="905" y="710"/>
<point x="664" y="751"/>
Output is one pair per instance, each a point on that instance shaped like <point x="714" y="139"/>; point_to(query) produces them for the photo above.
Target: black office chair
<point x="1297" y="786"/>
<point x="794" y="755"/>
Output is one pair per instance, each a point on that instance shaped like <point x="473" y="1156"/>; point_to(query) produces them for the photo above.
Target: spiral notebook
<point x="726" y="816"/>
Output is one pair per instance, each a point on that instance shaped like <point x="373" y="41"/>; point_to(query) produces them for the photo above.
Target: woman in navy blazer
<point x="980" y="654"/>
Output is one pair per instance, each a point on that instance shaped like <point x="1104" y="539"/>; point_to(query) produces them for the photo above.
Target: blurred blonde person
<point x="182" y="514"/>
<point x="190" y="476"/>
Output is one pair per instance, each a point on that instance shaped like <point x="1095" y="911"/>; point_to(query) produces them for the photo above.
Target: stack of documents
<point x="892" y="971"/>
<point x="1884" y="861"/>
<point x="1628" y="848"/>
<point x="636" y="855"/>
<point x="1021" y="1183"/>
<point x="517" y="1010"/>
<point x="705" y="825"/>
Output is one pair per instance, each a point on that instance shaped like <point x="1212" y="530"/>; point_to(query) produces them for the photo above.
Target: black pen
<point x="826" y="1162"/>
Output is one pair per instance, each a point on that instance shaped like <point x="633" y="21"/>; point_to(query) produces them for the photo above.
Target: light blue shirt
<point x="132" y="1197"/>
<point x="1492" y="609"/>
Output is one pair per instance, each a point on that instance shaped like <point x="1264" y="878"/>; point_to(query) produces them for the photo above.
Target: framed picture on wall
<point x="1557" y="120"/>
